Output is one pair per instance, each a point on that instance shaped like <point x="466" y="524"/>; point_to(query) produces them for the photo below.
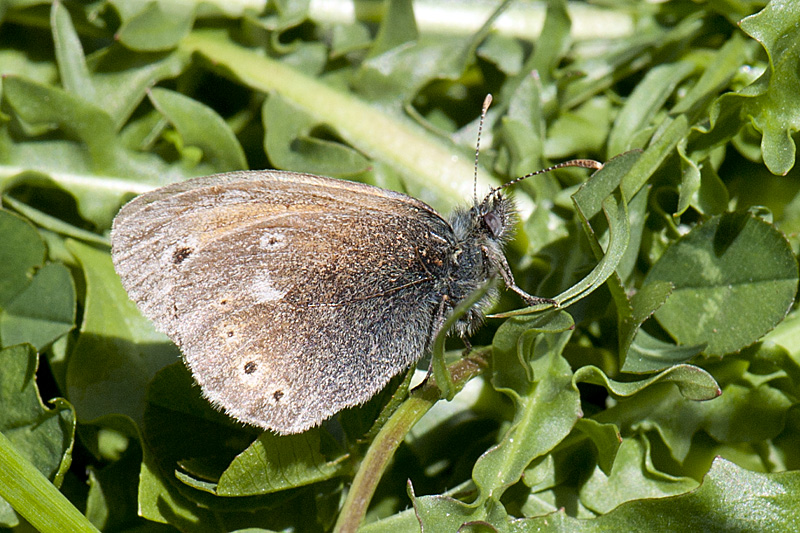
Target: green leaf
<point x="650" y="354"/>
<point x="712" y="198"/>
<point x="88" y="162"/>
<point x="43" y="312"/>
<point x="398" y="27"/>
<point x="157" y="26"/>
<point x="744" y="414"/>
<point x="228" y="462"/>
<point x="618" y="237"/>
<point x="37" y="300"/>
<point x="54" y="224"/>
<point x="598" y="411"/>
<point x="33" y="436"/>
<point x="44" y="436"/>
<point x="606" y="439"/>
<point x="69" y="53"/>
<point x="179" y="476"/>
<point x="122" y="79"/>
<point x="160" y="502"/>
<point x="581" y="131"/>
<point x="632" y="127"/>
<point x="425" y="161"/>
<point x="274" y="463"/>
<point x="729" y="499"/>
<point x="718" y="70"/>
<point x="620" y="59"/>
<point x="348" y="38"/>
<point x="735" y="278"/>
<point x="633" y="477"/>
<point x="290" y="144"/>
<point x="772" y="102"/>
<point x="22" y="253"/>
<point x="642" y="305"/>
<point x="174" y="406"/>
<point x="529" y="368"/>
<point x="523" y="128"/>
<point x="589" y="200"/>
<point x="553" y="43"/>
<point x="504" y="52"/>
<point x="46" y="106"/>
<point x="660" y="149"/>
<point x="438" y="364"/>
<point x="117" y="351"/>
<point x="694" y="383"/>
<point x="110" y="502"/>
<point x="443" y="513"/>
<point x="200" y="126"/>
<point x="40" y="502"/>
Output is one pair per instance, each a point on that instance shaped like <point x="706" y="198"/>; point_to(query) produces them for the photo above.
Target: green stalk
<point x="423" y="159"/>
<point x="390" y="436"/>
<point x="34" y="497"/>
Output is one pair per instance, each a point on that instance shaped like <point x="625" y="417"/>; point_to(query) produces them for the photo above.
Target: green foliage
<point x="662" y="394"/>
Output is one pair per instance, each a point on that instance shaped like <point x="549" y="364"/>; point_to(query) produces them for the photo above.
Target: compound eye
<point x="494" y="223"/>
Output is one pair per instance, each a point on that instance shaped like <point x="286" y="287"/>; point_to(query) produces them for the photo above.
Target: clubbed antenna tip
<point x="582" y="163"/>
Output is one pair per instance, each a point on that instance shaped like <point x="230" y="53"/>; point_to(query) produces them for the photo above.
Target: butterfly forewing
<point x="291" y="296"/>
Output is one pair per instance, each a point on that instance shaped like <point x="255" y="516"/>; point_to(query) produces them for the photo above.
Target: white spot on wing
<point x="264" y="291"/>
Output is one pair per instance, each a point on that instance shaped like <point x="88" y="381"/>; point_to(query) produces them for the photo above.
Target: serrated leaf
<point x="529" y="367"/>
<point x="632" y="477"/>
<point x="729" y="499"/>
<point x="693" y="382"/>
<point x="772" y="101"/>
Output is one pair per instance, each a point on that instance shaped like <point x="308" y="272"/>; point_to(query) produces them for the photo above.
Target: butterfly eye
<point x="494" y="223"/>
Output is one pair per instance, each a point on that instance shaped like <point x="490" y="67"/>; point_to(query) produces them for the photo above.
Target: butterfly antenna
<point x="486" y="103"/>
<point x="582" y="163"/>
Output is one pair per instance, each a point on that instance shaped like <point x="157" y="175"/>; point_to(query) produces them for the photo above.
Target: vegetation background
<point x="662" y="396"/>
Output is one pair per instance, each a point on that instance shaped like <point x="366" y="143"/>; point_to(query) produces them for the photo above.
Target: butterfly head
<point x="495" y="217"/>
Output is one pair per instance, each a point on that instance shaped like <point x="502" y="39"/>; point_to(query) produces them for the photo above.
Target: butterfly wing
<point x="291" y="296"/>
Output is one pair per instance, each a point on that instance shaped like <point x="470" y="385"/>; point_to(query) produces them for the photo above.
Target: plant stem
<point x="392" y="434"/>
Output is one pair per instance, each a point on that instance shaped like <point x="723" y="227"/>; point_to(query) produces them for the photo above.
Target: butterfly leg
<point x="467" y="346"/>
<point x="436" y="325"/>
<point x="508" y="279"/>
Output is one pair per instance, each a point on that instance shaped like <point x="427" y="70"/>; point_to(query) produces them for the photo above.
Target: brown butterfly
<point x="293" y="296"/>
